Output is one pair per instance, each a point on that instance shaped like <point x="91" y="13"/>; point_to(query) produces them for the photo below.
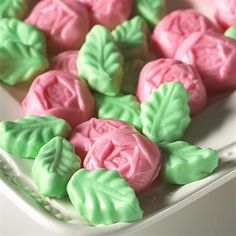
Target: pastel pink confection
<point x="214" y="56"/>
<point x="133" y="155"/>
<point x="225" y="13"/>
<point x="164" y="70"/>
<point x="60" y="94"/>
<point x="65" y="61"/>
<point x="84" y="135"/>
<point x="108" y="13"/>
<point x="64" y="22"/>
<point x="174" y="28"/>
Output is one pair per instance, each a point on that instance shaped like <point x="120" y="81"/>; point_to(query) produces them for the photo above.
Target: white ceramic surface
<point x="214" y="128"/>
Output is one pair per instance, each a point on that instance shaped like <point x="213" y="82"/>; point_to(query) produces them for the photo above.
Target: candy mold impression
<point x="158" y="201"/>
<point x="213" y="128"/>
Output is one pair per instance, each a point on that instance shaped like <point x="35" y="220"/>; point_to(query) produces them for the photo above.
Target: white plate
<point x="214" y="128"/>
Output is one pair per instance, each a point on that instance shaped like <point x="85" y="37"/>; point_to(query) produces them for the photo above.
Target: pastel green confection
<point x="151" y="10"/>
<point x="131" y="74"/>
<point x="100" y="62"/>
<point x="184" y="163"/>
<point x="231" y="32"/>
<point x="20" y="63"/>
<point x="53" y="166"/>
<point x="20" y="32"/>
<point x="131" y="38"/>
<point x="13" y="9"/>
<point x="121" y="107"/>
<point x="103" y="197"/>
<point x="24" y="137"/>
<point x="165" y="114"/>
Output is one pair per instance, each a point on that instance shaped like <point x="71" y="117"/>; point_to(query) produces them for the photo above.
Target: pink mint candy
<point x="109" y="13"/>
<point x="64" y="22"/>
<point x="65" y="61"/>
<point x="60" y="94"/>
<point x="214" y="56"/>
<point x="225" y="13"/>
<point x="85" y="134"/>
<point x="134" y="156"/>
<point x="174" y="28"/>
<point x="166" y="70"/>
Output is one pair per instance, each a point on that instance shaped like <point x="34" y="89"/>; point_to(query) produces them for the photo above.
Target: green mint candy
<point x="19" y="32"/>
<point x="13" y="8"/>
<point x="131" y="38"/>
<point x="103" y="197"/>
<point x="185" y="163"/>
<point x="151" y="10"/>
<point x="24" y="137"/>
<point x="100" y="62"/>
<point x="53" y="166"/>
<point x="20" y="63"/>
<point x="131" y="74"/>
<point x="165" y="115"/>
<point x="231" y="32"/>
<point x="121" y="107"/>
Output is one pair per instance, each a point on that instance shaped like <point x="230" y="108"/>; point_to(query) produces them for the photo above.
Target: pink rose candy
<point x="134" y="156"/>
<point x="64" y="22"/>
<point x="214" y="56"/>
<point x="60" y="94"/>
<point x="85" y="134"/>
<point x="225" y="13"/>
<point x="174" y="28"/>
<point x="166" y="70"/>
<point x="109" y="13"/>
<point x="65" y="61"/>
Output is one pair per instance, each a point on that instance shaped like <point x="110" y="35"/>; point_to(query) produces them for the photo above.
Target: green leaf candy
<point x="13" y="8"/>
<point x="100" y="62"/>
<point x="231" y="32"/>
<point x="19" y="32"/>
<point x="19" y="63"/>
<point x="151" y="10"/>
<point x="131" y="38"/>
<point x="185" y="163"/>
<point x="131" y="74"/>
<point x="53" y="166"/>
<point x="103" y="197"/>
<point x="24" y="137"/>
<point x="121" y="107"/>
<point x="165" y="115"/>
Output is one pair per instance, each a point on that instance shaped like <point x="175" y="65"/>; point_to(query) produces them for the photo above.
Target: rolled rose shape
<point x="84" y="135"/>
<point x="214" y="56"/>
<point x="60" y="94"/>
<point x="134" y="156"/>
<point x="108" y="13"/>
<point x="64" y="22"/>
<point x="66" y="62"/>
<point x="174" y="28"/>
<point x="165" y="70"/>
<point x="225" y="13"/>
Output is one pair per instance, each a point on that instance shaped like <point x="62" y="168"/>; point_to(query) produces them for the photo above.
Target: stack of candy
<point x="105" y="113"/>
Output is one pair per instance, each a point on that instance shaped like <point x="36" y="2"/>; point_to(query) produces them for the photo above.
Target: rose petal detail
<point x="60" y="94"/>
<point x="134" y="156"/>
